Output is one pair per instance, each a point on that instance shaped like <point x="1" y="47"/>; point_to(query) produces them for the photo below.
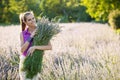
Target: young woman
<point x="28" y="24"/>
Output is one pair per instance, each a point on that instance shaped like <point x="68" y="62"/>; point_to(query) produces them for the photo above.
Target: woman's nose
<point x="33" y="20"/>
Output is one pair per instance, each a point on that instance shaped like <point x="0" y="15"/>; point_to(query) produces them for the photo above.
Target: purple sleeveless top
<point x="26" y="35"/>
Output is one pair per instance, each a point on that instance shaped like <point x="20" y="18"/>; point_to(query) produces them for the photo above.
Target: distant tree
<point x="51" y="8"/>
<point x="65" y="10"/>
<point x="18" y="6"/>
<point x="100" y="9"/>
<point x="34" y="6"/>
<point x="10" y="9"/>
<point x="4" y="11"/>
<point x="15" y="8"/>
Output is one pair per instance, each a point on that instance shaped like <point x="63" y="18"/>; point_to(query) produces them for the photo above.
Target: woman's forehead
<point x="29" y="16"/>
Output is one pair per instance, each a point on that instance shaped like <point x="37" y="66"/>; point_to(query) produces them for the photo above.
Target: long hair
<point x="23" y="19"/>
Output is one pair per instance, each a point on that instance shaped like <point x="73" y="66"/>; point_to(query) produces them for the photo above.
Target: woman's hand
<point x="31" y="50"/>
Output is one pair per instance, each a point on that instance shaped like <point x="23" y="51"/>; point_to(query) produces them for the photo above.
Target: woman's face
<point x="30" y="20"/>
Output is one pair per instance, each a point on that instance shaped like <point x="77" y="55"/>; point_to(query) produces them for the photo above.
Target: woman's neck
<point x="31" y="29"/>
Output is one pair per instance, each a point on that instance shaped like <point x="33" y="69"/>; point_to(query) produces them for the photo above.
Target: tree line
<point x="58" y="10"/>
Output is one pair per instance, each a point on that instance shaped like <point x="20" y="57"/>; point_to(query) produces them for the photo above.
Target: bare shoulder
<point x="21" y="35"/>
<point x="21" y="38"/>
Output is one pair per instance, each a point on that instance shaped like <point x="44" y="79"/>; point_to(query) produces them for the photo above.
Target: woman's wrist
<point x="31" y="36"/>
<point x="30" y="39"/>
<point x="34" y="47"/>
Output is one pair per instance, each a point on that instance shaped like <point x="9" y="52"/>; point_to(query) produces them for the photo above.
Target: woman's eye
<point x="29" y="19"/>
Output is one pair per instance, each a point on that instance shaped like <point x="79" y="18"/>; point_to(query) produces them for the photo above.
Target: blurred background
<point x="87" y="48"/>
<point x="59" y="10"/>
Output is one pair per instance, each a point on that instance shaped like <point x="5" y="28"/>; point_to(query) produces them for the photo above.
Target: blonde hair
<point x="23" y="18"/>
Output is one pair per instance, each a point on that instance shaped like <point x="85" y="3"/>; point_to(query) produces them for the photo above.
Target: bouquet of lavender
<point x="46" y="30"/>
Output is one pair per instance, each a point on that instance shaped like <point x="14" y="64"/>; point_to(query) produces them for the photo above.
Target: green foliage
<point x="100" y="9"/>
<point x="34" y="6"/>
<point x="64" y="10"/>
<point x="4" y="11"/>
<point x="10" y="9"/>
<point x="46" y="30"/>
<point x="114" y="19"/>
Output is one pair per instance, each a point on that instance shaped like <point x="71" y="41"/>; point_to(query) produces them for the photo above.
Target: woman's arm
<point x="43" y="47"/>
<point x="25" y="45"/>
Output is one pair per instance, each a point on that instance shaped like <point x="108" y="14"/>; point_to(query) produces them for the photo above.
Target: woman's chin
<point x="33" y="25"/>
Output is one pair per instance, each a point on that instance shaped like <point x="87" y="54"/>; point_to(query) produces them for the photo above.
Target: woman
<point x="29" y="28"/>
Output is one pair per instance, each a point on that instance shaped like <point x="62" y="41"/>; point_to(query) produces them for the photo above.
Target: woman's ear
<point x="25" y="22"/>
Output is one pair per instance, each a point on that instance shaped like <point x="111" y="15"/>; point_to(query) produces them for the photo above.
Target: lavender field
<point x="81" y="51"/>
